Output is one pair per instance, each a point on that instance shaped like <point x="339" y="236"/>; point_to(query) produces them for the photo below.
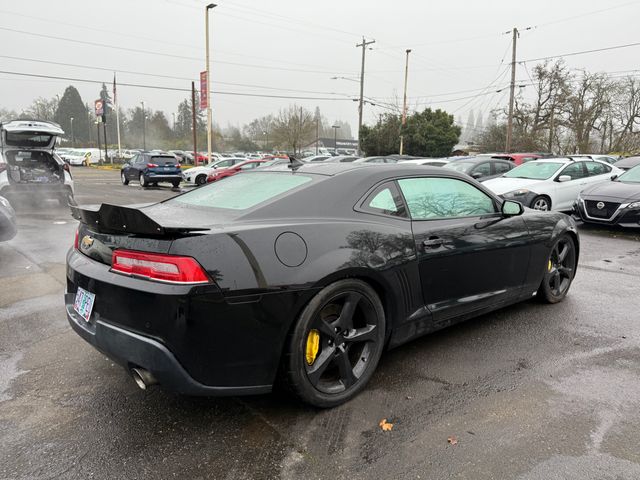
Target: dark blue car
<point x="150" y="169"/>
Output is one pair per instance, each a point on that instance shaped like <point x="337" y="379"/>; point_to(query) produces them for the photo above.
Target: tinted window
<point x="595" y="168"/>
<point x="242" y="191"/>
<point x="483" y="169"/>
<point x="501" y="167"/>
<point x="249" y="166"/>
<point x="575" y="171"/>
<point x="164" y="160"/>
<point x="463" y="167"/>
<point x="28" y="139"/>
<point x="386" y="200"/>
<point x="433" y="198"/>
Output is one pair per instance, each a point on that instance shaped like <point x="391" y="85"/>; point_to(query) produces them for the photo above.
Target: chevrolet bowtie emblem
<point x="87" y="241"/>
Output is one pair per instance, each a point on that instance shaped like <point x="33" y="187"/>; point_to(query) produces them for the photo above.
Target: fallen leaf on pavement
<point x="385" y="426"/>
<point x="452" y="440"/>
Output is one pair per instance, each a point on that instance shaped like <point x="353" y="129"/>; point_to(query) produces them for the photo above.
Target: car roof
<point x="381" y="170"/>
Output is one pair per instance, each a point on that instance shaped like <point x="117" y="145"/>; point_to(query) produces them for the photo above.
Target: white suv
<point x="552" y="183"/>
<point x="30" y="170"/>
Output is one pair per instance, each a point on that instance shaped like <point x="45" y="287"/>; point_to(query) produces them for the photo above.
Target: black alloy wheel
<point x="336" y="344"/>
<point x="560" y="270"/>
<point x="143" y="181"/>
<point x="201" y="180"/>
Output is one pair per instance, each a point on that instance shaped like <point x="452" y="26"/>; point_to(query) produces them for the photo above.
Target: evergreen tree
<point x="71" y="105"/>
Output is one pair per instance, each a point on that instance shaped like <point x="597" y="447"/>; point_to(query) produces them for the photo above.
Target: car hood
<point x="619" y="191"/>
<point x="502" y="185"/>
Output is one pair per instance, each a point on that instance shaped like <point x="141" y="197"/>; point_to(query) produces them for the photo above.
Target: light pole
<point x="73" y="138"/>
<point x="206" y="24"/>
<point x="144" y="134"/>
<point x="404" y="103"/>
<point x="174" y="121"/>
<point x="265" y="134"/>
<point x="335" y="138"/>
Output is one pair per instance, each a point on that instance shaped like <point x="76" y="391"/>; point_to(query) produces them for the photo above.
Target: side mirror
<point x="512" y="208"/>
<point x="564" y="178"/>
<point x="614" y="177"/>
<point x="477" y="175"/>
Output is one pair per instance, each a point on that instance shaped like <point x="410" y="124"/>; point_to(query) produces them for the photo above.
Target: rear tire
<point x="200" y="180"/>
<point x="542" y="203"/>
<point x="175" y="183"/>
<point x="345" y="324"/>
<point x="560" y="271"/>
<point x="124" y="179"/>
<point x="143" y="181"/>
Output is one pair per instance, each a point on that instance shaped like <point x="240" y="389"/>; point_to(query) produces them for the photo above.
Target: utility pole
<point x="512" y="91"/>
<point x="73" y="137"/>
<point x="404" y="103"/>
<point x="364" y="45"/>
<point x="144" y="133"/>
<point x="194" y="124"/>
<point x="209" y="120"/>
<point x="317" y="133"/>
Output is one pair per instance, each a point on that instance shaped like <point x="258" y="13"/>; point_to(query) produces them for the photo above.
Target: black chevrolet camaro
<point x="613" y="203"/>
<point x="303" y="274"/>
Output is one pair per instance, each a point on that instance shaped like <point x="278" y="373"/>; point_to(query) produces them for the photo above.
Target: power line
<point x="150" y="52"/>
<point x="118" y="70"/>
<point x="176" y="89"/>
<point x="582" y="52"/>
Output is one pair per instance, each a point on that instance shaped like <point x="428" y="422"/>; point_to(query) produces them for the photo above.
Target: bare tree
<point x="294" y="127"/>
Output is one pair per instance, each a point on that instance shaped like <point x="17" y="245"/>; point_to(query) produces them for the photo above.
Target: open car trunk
<point x="33" y="166"/>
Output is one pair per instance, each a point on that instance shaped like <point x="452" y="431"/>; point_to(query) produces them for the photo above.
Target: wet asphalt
<point x="529" y="392"/>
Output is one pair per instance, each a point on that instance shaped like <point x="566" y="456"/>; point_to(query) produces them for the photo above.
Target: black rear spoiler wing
<point x="115" y="218"/>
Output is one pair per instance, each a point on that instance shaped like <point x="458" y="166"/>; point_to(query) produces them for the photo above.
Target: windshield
<point x="164" y="160"/>
<point x="535" y="170"/>
<point x="463" y="167"/>
<point x="631" y="176"/>
<point x="241" y="192"/>
<point x="28" y="139"/>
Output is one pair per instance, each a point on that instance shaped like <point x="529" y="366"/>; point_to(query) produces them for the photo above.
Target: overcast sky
<point x="293" y="48"/>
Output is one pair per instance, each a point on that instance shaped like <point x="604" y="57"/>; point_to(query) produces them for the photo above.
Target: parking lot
<point x="529" y="392"/>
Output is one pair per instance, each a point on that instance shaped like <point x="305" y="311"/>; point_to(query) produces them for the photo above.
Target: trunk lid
<point x="29" y="134"/>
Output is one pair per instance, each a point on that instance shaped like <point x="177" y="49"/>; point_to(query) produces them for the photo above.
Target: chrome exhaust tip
<point x="143" y="378"/>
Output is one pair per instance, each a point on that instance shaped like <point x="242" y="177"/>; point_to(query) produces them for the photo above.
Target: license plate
<point x="167" y="168"/>
<point x="83" y="303"/>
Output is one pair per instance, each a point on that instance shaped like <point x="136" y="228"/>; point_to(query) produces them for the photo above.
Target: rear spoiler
<point x="115" y="218"/>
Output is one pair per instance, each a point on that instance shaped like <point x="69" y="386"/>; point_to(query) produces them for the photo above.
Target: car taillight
<point x="177" y="165"/>
<point x="160" y="267"/>
<point x="76" y="243"/>
<point x="152" y="165"/>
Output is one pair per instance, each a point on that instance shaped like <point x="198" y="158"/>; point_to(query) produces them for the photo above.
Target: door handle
<point x="433" y="242"/>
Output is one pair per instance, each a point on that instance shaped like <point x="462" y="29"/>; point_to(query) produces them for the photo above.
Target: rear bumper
<point x="162" y="177"/>
<point x="29" y="190"/>
<point x="132" y="350"/>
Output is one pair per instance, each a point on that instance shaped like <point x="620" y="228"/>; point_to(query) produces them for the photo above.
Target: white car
<point x="551" y="184"/>
<point x="198" y="175"/>
<point x="29" y="168"/>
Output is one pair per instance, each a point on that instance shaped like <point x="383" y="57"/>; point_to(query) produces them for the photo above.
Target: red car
<point x="237" y="168"/>
<point x="518" y="158"/>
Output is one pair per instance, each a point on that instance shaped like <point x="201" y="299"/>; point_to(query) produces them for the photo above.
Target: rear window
<point x="164" y="160"/>
<point x="242" y="191"/>
<point x="28" y="139"/>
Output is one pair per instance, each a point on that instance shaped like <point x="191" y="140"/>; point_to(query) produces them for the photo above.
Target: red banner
<point x="204" y="91"/>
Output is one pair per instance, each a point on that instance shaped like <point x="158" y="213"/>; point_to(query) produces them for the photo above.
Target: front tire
<point x="124" y="179"/>
<point x="542" y="203"/>
<point x="200" y="180"/>
<point x="143" y="181"/>
<point x="336" y="344"/>
<point x="560" y="271"/>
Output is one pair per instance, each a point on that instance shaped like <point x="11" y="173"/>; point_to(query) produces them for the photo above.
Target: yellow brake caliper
<point x="550" y="266"/>
<point x="313" y="345"/>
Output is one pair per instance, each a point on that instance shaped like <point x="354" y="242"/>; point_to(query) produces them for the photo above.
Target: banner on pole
<point x="99" y="105"/>
<point x="204" y="91"/>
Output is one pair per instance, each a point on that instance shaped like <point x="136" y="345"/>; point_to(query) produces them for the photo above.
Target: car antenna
<point x="294" y="163"/>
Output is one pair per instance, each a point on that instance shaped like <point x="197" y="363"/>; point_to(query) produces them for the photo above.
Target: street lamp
<point x="404" y="103"/>
<point x="335" y="137"/>
<point x="265" y="134"/>
<point x="144" y="134"/>
<point x="173" y="114"/>
<point x="209" y="121"/>
<point x="73" y="138"/>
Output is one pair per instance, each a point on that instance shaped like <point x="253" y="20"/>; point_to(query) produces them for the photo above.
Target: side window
<point x="134" y="159"/>
<point x="385" y="200"/>
<point x="574" y="171"/>
<point x="502" y="167"/>
<point x="482" y="170"/>
<point x="434" y="198"/>
<point x="528" y="159"/>
<point x="595" y="168"/>
<point x="249" y="166"/>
